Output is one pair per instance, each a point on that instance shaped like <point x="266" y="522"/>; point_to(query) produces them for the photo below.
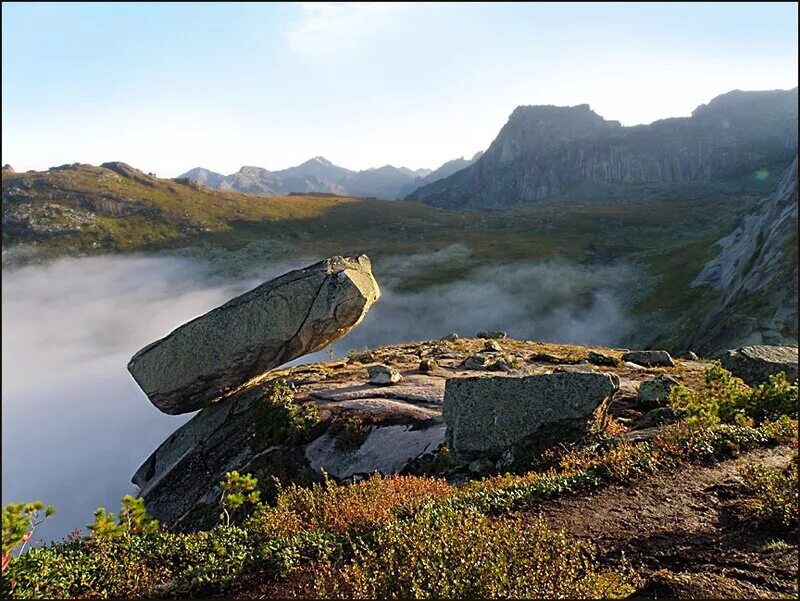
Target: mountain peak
<point x="320" y="161"/>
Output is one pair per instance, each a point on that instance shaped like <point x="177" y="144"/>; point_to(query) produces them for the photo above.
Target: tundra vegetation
<point x="413" y="535"/>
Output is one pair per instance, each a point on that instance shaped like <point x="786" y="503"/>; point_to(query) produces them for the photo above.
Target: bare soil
<point x="687" y="533"/>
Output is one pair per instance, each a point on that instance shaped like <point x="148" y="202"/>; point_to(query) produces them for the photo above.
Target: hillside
<point x="546" y="151"/>
<point x="755" y="276"/>
<point x="668" y="234"/>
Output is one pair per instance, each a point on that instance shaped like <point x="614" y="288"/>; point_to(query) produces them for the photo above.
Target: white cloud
<point x="330" y="27"/>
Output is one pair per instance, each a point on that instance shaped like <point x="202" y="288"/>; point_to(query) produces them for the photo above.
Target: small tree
<point x="19" y="523"/>
<point x="237" y="490"/>
<point x="133" y="519"/>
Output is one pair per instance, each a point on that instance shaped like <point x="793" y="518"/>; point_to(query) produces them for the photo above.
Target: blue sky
<point x="167" y="87"/>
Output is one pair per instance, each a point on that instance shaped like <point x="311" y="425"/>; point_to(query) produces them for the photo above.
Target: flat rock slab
<point x="298" y="313"/>
<point x="413" y="388"/>
<point x="755" y="364"/>
<point x="490" y="415"/>
<point x="382" y="410"/>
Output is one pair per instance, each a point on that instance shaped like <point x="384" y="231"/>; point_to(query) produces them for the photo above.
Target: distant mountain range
<point x="320" y="175"/>
<point x="545" y="151"/>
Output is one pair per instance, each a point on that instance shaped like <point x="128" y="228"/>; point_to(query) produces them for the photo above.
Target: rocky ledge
<point x="351" y="428"/>
<point x="454" y="407"/>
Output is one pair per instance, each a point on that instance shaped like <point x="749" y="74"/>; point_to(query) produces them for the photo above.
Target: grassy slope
<point x="668" y="234"/>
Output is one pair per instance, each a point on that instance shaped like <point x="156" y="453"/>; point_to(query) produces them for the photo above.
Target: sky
<point x="168" y="87"/>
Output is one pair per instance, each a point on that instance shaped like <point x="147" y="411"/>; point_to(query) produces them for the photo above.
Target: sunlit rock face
<point x="755" y="276"/>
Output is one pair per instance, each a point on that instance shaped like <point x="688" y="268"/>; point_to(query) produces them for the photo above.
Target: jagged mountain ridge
<point x="543" y="151"/>
<point x="756" y="276"/>
<point x="320" y="175"/>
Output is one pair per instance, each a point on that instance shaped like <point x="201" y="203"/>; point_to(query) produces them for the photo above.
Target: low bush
<point x="776" y="492"/>
<point x="728" y="399"/>
<point x="465" y="554"/>
<point x="280" y="420"/>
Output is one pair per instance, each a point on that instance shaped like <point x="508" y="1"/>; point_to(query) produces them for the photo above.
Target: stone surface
<point x="754" y="276"/>
<point x="486" y="416"/>
<point x="428" y="365"/>
<point x="601" y="359"/>
<point x="492" y="345"/>
<point x="414" y="388"/>
<point x="452" y="336"/>
<point x="653" y="393"/>
<point x="386" y="450"/>
<point x="491" y="335"/>
<point x="755" y="364"/>
<point x="298" y="313"/>
<point x="649" y="358"/>
<point x="383" y="375"/>
<point x="657" y="417"/>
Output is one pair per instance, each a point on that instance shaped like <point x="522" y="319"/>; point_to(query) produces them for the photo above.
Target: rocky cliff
<point x="755" y="275"/>
<point x="543" y="151"/>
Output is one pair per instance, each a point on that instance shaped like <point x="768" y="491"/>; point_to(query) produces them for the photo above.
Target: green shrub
<point x="146" y="564"/>
<point x="280" y="420"/>
<point x="237" y="490"/>
<point x="19" y="523"/>
<point x="464" y="554"/>
<point x="133" y="519"/>
<point x="728" y="399"/>
<point x="776" y="492"/>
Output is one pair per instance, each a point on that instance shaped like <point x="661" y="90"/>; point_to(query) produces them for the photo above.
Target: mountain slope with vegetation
<point x="666" y="232"/>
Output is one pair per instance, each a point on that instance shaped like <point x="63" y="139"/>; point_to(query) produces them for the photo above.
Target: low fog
<point x="75" y="424"/>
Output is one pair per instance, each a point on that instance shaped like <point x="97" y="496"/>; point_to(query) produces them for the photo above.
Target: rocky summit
<point x="295" y="314"/>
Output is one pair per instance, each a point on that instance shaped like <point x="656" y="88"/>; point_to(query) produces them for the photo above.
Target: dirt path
<point x="687" y="533"/>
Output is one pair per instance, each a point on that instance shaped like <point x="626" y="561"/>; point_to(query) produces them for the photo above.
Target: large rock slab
<point x="487" y="416"/>
<point x="387" y="450"/>
<point x="755" y="364"/>
<point x="298" y="313"/>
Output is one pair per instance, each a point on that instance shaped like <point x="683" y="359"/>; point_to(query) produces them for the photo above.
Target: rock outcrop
<point x="487" y="416"/>
<point x="350" y="428"/>
<point x="298" y="313"/>
<point x="547" y="150"/>
<point x="755" y="364"/>
<point x="655" y="392"/>
<point x="649" y="358"/>
<point x="755" y="277"/>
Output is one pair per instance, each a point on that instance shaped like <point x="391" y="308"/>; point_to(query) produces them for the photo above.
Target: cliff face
<point x="546" y="150"/>
<point x="756" y="275"/>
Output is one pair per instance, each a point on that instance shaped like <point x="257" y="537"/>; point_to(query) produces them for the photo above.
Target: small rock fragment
<point x="491" y="345"/>
<point x="383" y="375"/>
<point x="655" y="392"/>
<point x="428" y="365"/>
<point x="601" y="359"/>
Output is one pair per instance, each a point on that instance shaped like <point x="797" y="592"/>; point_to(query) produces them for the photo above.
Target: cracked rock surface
<point x="295" y="314"/>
